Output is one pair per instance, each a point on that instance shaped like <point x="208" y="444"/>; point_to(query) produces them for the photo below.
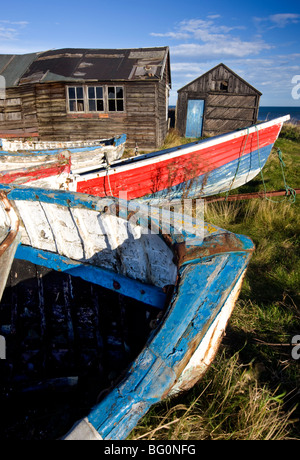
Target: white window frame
<point x="95" y="99"/>
<point x="86" y="99"/>
<point x="76" y="99"/>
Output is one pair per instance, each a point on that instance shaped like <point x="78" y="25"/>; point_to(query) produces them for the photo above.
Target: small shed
<point x="217" y="102"/>
<point x="79" y="94"/>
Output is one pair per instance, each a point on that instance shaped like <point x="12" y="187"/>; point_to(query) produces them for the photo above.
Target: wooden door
<point x="194" y="119"/>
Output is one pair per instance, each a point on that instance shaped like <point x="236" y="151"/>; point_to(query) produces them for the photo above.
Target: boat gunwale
<point x="14" y="224"/>
<point x="181" y="150"/>
<point x="114" y="141"/>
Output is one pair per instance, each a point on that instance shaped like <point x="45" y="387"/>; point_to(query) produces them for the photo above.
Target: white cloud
<point x="175" y="35"/>
<point x="214" y="16"/>
<point x="282" y="20"/>
<point x="6" y="33"/>
<point x="18" y="23"/>
<point x="277" y="20"/>
<point x="10" y="30"/>
<point x="205" y="37"/>
<point x="220" y="47"/>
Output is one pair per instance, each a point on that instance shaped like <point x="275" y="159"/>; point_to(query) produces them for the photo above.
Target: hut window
<point x="87" y="99"/>
<point x="219" y="85"/>
<point x="76" y="99"/>
<point x="224" y="86"/>
<point x="96" y="99"/>
<point x="115" y="99"/>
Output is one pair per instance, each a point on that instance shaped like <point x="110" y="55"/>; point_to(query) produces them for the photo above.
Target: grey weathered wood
<point x="224" y="111"/>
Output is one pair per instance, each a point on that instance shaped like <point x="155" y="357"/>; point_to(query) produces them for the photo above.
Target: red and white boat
<point x="195" y="170"/>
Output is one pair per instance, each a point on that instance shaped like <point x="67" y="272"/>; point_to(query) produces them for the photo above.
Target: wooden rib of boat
<point x="195" y="170"/>
<point x="145" y="325"/>
<point x="84" y="155"/>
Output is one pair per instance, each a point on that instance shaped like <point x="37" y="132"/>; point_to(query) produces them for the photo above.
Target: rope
<point x="108" y="179"/>
<point x="238" y="165"/>
<point x="289" y="191"/>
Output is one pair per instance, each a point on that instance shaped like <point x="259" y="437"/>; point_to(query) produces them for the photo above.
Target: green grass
<point x="252" y="389"/>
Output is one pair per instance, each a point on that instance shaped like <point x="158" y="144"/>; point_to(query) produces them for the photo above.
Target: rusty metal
<point x="249" y="196"/>
<point x="212" y="245"/>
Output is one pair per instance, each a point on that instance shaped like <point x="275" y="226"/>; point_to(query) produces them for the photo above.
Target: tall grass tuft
<point x="290" y="131"/>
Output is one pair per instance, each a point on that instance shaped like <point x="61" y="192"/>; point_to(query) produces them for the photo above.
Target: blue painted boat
<point x="184" y="277"/>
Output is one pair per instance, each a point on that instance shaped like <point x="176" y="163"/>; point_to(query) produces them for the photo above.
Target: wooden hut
<point x="74" y="94"/>
<point x="215" y="103"/>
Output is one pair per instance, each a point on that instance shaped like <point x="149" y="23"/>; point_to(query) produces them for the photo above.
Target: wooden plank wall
<point x="18" y="113"/>
<point x="228" y="112"/>
<point x="42" y="108"/>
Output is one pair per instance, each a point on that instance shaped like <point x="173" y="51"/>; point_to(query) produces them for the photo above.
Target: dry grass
<point x="230" y="406"/>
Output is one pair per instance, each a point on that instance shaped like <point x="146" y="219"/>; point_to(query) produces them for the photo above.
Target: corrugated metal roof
<point x="72" y="64"/>
<point x="13" y="66"/>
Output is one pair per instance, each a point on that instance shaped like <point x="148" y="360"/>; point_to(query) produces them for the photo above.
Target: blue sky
<point x="259" y="40"/>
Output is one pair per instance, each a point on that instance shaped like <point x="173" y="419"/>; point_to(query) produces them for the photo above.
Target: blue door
<point x="194" y="119"/>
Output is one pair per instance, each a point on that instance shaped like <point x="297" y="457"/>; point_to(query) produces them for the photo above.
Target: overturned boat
<point x="109" y="309"/>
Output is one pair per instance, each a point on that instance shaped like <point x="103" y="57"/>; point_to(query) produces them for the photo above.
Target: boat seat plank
<point x="146" y="293"/>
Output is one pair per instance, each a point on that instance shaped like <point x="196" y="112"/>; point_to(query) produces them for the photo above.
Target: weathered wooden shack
<point x="73" y="94"/>
<point x="217" y="102"/>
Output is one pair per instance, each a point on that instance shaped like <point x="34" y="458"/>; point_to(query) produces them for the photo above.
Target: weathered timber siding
<point x="224" y="110"/>
<point x="42" y="108"/>
<point x="17" y="111"/>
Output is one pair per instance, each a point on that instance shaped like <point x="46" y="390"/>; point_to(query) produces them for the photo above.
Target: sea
<point x="268" y="113"/>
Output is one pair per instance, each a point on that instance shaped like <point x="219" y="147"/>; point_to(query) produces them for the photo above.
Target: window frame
<point x="95" y="98"/>
<point x="115" y="98"/>
<point x="75" y="99"/>
<point x="86" y="99"/>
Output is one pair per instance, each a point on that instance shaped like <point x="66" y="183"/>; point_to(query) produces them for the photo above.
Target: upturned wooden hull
<point x="190" y="277"/>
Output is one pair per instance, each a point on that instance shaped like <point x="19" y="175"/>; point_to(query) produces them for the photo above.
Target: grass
<point x="251" y="391"/>
<point x="229" y="404"/>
